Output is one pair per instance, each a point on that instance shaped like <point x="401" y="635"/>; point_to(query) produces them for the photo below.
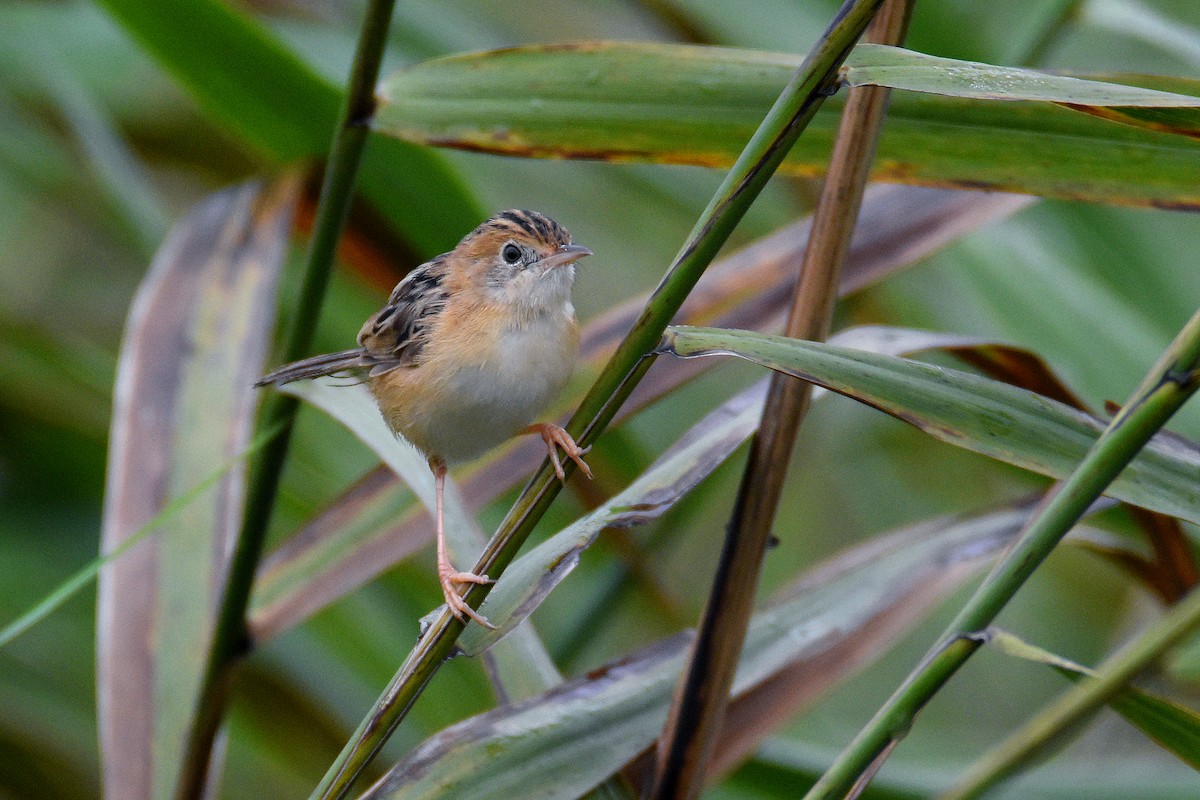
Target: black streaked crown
<point x="526" y="223"/>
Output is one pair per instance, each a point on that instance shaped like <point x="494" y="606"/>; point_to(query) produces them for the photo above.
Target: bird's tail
<point x="317" y="366"/>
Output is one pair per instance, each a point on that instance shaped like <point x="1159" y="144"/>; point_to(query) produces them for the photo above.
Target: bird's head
<point x="522" y="258"/>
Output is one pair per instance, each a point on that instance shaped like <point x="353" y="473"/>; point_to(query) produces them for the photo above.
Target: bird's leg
<point x="448" y="576"/>
<point x="553" y="435"/>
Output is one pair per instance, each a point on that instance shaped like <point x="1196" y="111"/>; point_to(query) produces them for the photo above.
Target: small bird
<point x="470" y="347"/>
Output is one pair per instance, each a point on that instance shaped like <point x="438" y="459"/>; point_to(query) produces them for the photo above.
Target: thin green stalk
<point x="1172" y="380"/>
<point x="698" y="709"/>
<point x="230" y="636"/>
<point x="72" y="585"/>
<point x="1111" y="677"/>
<point x="791" y="113"/>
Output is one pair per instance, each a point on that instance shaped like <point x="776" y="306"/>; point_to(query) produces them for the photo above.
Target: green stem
<point x="1172" y="380"/>
<point x="792" y="111"/>
<point x="230" y="639"/>
<point x="1110" y="678"/>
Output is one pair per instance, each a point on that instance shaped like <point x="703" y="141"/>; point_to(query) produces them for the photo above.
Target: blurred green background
<point x="100" y="151"/>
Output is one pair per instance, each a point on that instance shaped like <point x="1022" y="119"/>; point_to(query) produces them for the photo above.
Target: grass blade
<point x="73" y="585"/>
<point x="1175" y="727"/>
<point x="896" y="68"/>
<point x="684" y="104"/>
<point x="196" y="339"/>
<point x="986" y="416"/>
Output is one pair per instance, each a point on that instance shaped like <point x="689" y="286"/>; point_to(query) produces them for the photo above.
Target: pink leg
<point x="448" y="576"/>
<point x="554" y="436"/>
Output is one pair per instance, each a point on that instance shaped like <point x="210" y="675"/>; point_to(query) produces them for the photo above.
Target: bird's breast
<point x="483" y="381"/>
<point x="518" y="366"/>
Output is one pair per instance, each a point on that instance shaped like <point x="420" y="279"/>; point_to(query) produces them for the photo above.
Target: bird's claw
<point x="556" y="437"/>
<point x="455" y="602"/>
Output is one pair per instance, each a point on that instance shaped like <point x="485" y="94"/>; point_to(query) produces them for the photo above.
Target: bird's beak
<point x="567" y="254"/>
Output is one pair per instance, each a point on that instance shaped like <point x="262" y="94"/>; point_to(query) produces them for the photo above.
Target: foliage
<point x="122" y="120"/>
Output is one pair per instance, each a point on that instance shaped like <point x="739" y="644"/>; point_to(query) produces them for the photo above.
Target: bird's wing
<point x="397" y="334"/>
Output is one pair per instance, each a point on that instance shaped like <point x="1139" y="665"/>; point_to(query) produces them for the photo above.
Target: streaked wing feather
<point x="395" y="336"/>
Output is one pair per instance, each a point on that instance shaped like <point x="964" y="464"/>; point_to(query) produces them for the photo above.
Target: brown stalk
<point x="701" y="698"/>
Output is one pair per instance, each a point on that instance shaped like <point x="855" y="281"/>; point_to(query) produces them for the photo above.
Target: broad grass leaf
<point x="194" y="344"/>
<point x="897" y="68"/>
<point x="1174" y="726"/>
<point x="989" y="417"/>
<point x="685" y="104"/>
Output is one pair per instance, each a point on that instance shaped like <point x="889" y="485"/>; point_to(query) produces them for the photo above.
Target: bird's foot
<point x="555" y="437"/>
<point x="451" y="579"/>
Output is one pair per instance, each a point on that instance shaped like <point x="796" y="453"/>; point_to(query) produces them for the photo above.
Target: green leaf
<point x="533" y="575"/>
<point x="684" y="104"/>
<point x="835" y="621"/>
<point x="897" y="68"/>
<point x="1175" y="727"/>
<point x="1000" y="421"/>
<point x="195" y="342"/>
<point x="250" y="81"/>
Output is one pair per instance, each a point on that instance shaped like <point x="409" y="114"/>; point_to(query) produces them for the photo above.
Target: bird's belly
<point x="483" y="401"/>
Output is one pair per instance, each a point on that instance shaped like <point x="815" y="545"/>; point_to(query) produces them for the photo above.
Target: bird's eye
<point x="511" y="253"/>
